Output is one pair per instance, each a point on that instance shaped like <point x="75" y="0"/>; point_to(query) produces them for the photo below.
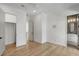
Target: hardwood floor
<point x="36" y="49"/>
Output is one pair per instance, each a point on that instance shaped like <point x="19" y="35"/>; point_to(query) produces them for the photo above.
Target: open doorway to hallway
<point x="30" y="28"/>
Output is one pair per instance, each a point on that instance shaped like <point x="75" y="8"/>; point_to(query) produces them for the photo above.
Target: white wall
<point x="21" y="29"/>
<point x="30" y="21"/>
<point x="56" y="29"/>
<point x="27" y="26"/>
<point x="40" y="28"/>
<point x="44" y="24"/>
<point x="27" y="30"/>
<point x="10" y="33"/>
<point x="10" y="18"/>
<point x="37" y="29"/>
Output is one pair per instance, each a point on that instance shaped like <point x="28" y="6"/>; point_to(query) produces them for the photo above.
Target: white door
<point x="2" y="42"/>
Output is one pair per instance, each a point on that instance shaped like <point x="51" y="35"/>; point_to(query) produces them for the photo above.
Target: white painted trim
<point x="2" y="52"/>
<point x="58" y="43"/>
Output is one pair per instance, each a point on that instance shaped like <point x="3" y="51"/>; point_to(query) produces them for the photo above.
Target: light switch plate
<point x="54" y="26"/>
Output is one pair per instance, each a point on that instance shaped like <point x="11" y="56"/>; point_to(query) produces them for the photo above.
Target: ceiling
<point x="45" y="7"/>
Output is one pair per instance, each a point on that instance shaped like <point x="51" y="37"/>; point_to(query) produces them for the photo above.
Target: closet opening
<point x="10" y="33"/>
<point x="73" y="30"/>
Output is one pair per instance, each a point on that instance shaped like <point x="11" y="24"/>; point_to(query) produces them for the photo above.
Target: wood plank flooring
<point x="36" y="49"/>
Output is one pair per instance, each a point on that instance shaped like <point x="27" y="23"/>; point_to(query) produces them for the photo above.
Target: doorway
<point x="10" y="33"/>
<point x="72" y="30"/>
<point x="30" y="28"/>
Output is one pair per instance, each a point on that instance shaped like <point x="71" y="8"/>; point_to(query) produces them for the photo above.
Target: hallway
<point x="36" y="49"/>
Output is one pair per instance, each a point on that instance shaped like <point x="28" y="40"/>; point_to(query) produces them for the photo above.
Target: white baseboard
<point x="2" y="52"/>
<point x="9" y="43"/>
<point x="58" y="43"/>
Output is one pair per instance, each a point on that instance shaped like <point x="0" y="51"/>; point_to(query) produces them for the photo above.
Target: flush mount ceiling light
<point x="34" y="11"/>
<point x="22" y="5"/>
